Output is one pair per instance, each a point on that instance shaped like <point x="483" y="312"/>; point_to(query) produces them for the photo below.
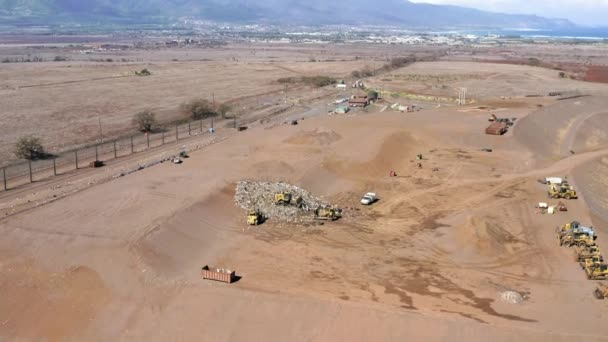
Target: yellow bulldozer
<point x="597" y="272"/>
<point x="255" y="217"/>
<point x="576" y="239"/>
<point x="561" y="191"/>
<point x="328" y="213"/>
<point x="591" y="262"/>
<point x="582" y="253"/>
<point x="282" y="198"/>
<point x="286" y="198"/>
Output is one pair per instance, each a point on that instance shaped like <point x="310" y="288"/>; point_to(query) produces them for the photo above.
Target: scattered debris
<point x="96" y="164"/>
<point x="252" y="195"/>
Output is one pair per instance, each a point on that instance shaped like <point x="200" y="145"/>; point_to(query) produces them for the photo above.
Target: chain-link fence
<point x="16" y="175"/>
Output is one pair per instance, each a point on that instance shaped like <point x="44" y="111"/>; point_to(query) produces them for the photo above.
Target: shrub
<point x="356" y="74"/>
<point x="143" y="72"/>
<point x="60" y="59"/>
<point x="223" y="109"/>
<point x="198" y="109"/>
<point x="28" y="147"/>
<point x="145" y="121"/>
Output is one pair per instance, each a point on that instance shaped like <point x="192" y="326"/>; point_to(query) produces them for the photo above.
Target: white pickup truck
<point x="369" y="198"/>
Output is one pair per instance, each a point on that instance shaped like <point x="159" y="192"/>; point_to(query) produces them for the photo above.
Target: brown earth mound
<point x="489" y="237"/>
<point x="592" y="134"/>
<point x="553" y="131"/>
<point x="318" y="136"/>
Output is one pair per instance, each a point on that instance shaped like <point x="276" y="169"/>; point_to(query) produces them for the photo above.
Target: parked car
<point x="369" y="198"/>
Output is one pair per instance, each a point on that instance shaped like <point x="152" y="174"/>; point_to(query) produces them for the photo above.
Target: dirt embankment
<point x="566" y="127"/>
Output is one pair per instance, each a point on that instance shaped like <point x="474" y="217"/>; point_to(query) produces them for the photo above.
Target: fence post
<point x="201" y="123"/>
<point x="96" y="152"/>
<point x="148" y="139"/>
<point x="132" y="145"/>
<point x="234" y="122"/>
<point x="189" y="128"/>
<point x="115" y="155"/>
<point x="211" y="122"/>
<point x="176" y="133"/>
<point x="76" y="158"/>
<point x="54" y="166"/>
<point x="163" y="137"/>
<point x="4" y="178"/>
<point x="31" y="178"/>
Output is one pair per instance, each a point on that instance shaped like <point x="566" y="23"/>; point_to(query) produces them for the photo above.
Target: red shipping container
<point x="497" y="128"/>
<point x="218" y="274"/>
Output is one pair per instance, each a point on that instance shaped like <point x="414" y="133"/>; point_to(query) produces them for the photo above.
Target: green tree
<point x="145" y="121"/>
<point x="372" y="95"/>
<point x="28" y="147"/>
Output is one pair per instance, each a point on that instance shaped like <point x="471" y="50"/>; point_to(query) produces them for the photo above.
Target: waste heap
<point x="260" y="195"/>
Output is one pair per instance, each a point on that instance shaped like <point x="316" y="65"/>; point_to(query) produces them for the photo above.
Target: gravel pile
<point x="260" y="195"/>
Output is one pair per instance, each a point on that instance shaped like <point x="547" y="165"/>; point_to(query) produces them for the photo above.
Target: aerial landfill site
<point x="372" y="207"/>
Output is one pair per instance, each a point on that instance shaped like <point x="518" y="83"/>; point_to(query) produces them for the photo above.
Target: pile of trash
<point x="511" y="297"/>
<point x="260" y="195"/>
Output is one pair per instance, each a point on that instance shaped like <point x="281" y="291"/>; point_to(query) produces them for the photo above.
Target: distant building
<point x="341" y="86"/>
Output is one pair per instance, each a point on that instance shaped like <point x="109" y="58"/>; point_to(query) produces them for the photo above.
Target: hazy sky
<point x="585" y="12"/>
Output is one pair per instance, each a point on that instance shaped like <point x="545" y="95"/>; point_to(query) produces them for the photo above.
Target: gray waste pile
<point x="260" y="195"/>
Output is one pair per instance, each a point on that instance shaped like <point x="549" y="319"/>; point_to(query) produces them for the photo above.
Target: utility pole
<point x="100" y="131"/>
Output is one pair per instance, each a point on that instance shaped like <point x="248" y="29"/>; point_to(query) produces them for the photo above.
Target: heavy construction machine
<point x="328" y="213"/>
<point x="590" y="262"/>
<point x="582" y="253"/>
<point x="286" y="198"/>
<point x="255" y="217"/>
<point x="597" y="272"/>
<point x="601" y="292"/>
<point x="561" y="191"/>
<point x="575" y="227"/>
<point x="576" y="239"/>
<point x="282" y="198"/>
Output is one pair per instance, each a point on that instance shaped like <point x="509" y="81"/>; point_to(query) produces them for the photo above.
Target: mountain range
<point x="400" y="13"/>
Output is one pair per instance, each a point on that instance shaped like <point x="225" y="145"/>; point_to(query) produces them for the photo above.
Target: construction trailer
<point x="218" y="274"/>
<point x="497" y="128"/>
<point x="358" y="101"/>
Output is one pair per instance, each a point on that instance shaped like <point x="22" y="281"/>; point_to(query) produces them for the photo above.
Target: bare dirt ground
<point x="119" y="259"/>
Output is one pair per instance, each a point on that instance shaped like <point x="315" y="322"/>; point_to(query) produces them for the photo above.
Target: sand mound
<point x="490" y="238"/>
<point x="318" y="136"/>
<point x="395" y="153"/>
